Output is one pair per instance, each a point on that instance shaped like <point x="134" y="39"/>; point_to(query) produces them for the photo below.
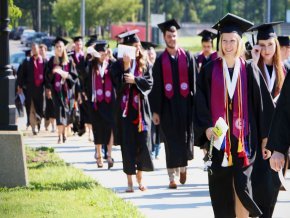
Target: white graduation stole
<point x="231" y="83"/>
<point x="270" y="81"/>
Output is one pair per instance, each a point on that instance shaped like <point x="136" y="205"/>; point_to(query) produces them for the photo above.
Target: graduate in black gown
<point x="207" y="54"/>
<point x="172" y="102"/>
<point x="100" y="92"/>
<point x="279" y="137"/>
<point x="285" y="49"/>
<point x="227" y="88"/>
<point x="31" y="82"/>
<point x="267" y="58"/>
<point x="61" y="75"/>
<point x="132" y="79"/>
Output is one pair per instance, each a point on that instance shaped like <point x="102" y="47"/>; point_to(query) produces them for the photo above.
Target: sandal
<point x="63" y="138"/>
<point x="130" y="189"/>
<point x="100" y="162"/>
<point x="142" y="188"/>
<point x="59" y="140"/>
<point x="110" y="162"/>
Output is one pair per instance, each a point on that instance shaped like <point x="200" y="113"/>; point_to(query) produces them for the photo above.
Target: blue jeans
<point x="155" y="150"/>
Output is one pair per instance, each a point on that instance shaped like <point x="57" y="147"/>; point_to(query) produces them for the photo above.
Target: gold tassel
<point x="230" y="160"/>
<point x="240" y="146"/>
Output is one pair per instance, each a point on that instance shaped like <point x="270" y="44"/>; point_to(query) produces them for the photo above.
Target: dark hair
<point x="171" y="29"/>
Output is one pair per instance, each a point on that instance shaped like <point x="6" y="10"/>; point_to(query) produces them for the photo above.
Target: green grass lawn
<point x="59" y="190"/>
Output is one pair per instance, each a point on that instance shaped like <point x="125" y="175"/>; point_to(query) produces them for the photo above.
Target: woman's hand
<point x="129" y="78"/>
<point x="126" y="61"/>
<point x="56" y="69"/>
<point x="256" y="52"/>
<point x="265" y="152"/>
<point x="209" y="133"/>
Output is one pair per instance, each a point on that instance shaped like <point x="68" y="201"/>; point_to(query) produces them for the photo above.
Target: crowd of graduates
<point x="138" y="101"/>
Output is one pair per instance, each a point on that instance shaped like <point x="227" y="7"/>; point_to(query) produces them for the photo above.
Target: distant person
<point x="207" y="54"/>
<point x="31" y="83"/>
<point x="61" y="76"/>
<point x="172" y="102"/>
<point x="149" y="48"/>
<point x="285" y="49"/>
<point x="100" y="91"/>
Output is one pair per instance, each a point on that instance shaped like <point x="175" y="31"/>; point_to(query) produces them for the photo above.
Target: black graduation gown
<point x="60" y="99"/>
<point x="265" y="193"/>
<point x="279" y="137"/>
<point x="175" y="113"/>
<point x="25" y="80"/>
<point x="204" y="60"/>
<point x="222" y="179"/>
<point x="102" y="118"/>
<point x="135" y="146"/>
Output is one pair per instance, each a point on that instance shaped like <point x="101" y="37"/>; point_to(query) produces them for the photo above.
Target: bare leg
<point x="89" y="126"/>
<point x="241" y="211"/>
<point x="52" y="121"/>
<point x="59" y="132"/>
<point x="98" y="155"/>
<point x="109" y="152"/>
<point x="139" y="180"/>
<point x="130" y="184"/>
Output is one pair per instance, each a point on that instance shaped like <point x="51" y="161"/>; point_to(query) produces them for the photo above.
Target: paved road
<point x="189" y="200"/>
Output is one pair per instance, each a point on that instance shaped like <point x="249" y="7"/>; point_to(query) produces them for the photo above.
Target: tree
<point x="14" y="13"/>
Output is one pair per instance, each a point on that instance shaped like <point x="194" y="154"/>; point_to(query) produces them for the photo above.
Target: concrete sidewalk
<point x="189" y="200"/>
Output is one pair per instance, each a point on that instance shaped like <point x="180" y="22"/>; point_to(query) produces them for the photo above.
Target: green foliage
<point x="59" y="190"/>
<point x="14" y="13"/>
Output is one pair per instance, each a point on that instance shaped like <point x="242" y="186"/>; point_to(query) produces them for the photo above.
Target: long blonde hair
<point x="277" y="64"/>
<point x="65" y="59"/>
<point x="240" y="50"/>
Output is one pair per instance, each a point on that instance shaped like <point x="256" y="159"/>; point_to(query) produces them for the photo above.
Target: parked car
<point x="26" y="33"/>
<point x="16" y="59"/>
<point x="17" y="32"/>
<point x="37" y="38"/>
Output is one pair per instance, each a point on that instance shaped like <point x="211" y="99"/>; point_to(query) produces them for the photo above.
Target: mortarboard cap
<point x="284" y="40"/>
<point x="231" y="23"/>
<point x="207" y="35"/>
<point x="130" y="37"/>
<point x="91" y="42"/>
<point x="265" y="31"/>
<point x="27" y="52"/>
<point x="101" y="45"/>
<point x="60" y="39"/>
<point x="169" y="25"/>
<point x="77" y="38"/>
<point x="94" y="36"/>
<point x="148" y="45"/>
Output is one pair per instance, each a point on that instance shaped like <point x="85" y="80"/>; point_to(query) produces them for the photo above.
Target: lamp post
<point x="148" y="20"/>
<point x="13" y="170"/>
<point x="7" y="80"/>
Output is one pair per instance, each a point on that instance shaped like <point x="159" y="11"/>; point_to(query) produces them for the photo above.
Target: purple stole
<point x="57" y="79"/>
<point x="219" y="108"/>
<point x="182" y="70"/>
<point x="136" y="102"/>
<point x="38" y="70"/>
<point x="102" y="91"/>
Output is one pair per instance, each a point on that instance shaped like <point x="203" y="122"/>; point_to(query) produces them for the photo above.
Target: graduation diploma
<point x="220" y="129"/>
<point x="125" y="49"/>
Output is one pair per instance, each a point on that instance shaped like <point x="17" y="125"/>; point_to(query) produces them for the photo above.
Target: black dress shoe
<point x="81" y="132"/>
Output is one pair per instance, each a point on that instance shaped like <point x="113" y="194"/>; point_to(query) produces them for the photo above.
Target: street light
<point x="7" y="80"/>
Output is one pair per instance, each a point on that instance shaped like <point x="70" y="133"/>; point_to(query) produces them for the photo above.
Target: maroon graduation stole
<point x="135" y="101"/>
<point x="102" y="87"/>
<point x="57" y="79"/>
<point x="201" y="58"/>
<point x="220" y="108"/>
<point x="182" y="70"/>
<point x="77" y="57"/>
<point x="38" y="69"/>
